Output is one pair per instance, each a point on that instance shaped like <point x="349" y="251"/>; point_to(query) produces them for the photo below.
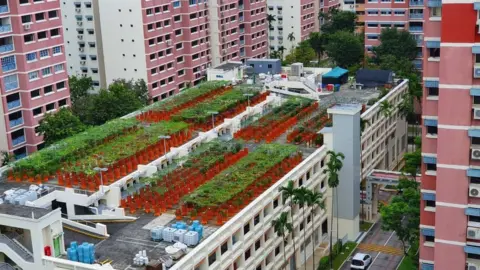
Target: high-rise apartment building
<point x="33" y="77"/>
<point x="168" y="44"/>
<point x="295" y="19"/>
<point x="404" y="15"/>
<point x="450" y="202"/>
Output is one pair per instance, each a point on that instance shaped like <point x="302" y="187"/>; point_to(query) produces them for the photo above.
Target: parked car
<point x="361" y="261"/>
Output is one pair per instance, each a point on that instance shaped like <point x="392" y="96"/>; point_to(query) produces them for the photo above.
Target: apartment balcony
<point x="417" y="16"/>
<point x="416" y="3"/>
<point x="434" y="3"/>
<point x="10" y="82"/>
<point x="18" y="140"/>
<point x="416" y="29"/>
<point x="241" y="7"/>
<point x="242" y="30"/>
<point x="242" y="41"/>
<point x="4" y="6"/>
<point x="13" y="104"/>
<point x="16" y="122"/>
<point x="241" y="18"/>
<point x="418" y="64"/>
<point x="419" y="54"/>
<point x="8" y="64"/>
<point x="6" y="48"/>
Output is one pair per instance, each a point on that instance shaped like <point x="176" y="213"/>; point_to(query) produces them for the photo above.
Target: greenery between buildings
<point x="340" y="254"/>
<point x="365" y="226"/>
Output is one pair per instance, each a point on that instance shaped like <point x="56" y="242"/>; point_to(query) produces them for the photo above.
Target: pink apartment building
<point x="404" y="14"/>
<point x="33" y="77"/>
<point x="169" y="44"/>
<point x="450" y="203"/>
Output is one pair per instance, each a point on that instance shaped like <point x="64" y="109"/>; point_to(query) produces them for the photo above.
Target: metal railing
<point x="6" y="48"/>
<point x="4" y="9"/>
<point x="416" y="15"/>
<point x="416" y="28"/>
<point x="9" y="66"/>
<point x="11" y="85"/>
<point x="17" y="248"/>
<point x="416" y="3"/>
<point x="13" y="104"/>
<point x="5" y="28"/>
<point x="18" y="140"/>
<point x="16" y="122"/>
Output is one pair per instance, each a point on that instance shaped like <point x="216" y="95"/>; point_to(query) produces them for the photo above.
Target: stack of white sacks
<point x="140" y="258"/>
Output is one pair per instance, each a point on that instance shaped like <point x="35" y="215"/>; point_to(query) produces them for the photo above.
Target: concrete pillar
<point x="345" y="138"/>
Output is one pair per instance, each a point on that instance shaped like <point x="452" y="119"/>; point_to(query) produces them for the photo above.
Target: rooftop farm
<point x="307" y="132"/>
<point x="120" y="145"/>
<point x="215" y="181"/>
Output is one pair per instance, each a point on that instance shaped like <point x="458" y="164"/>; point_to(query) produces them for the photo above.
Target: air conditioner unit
<point x="169" y="42"/>
<point x="83" y="62"/>
<point x="476" y="113"/>
<point x="78" y="10"/>
<point x="80" y="36"/>
<point x="476" y="154"/>
<point x="224" y="51"/>
<point x="27" y="26"/>
<point x="81" y="49"/>
<point x="79" y="23"/>
<point x="474" y="190"/>
<point x="297" y="69"/>
<point x="472" y="266"/>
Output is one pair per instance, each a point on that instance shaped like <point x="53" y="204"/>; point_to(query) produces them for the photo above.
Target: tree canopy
<point x="59" y="125"/>
<point x="398" y="43"/>
<point x="338" y="20"/>
<point x="317" y="42"/>
<point x="345" y="49"/>
<point x="303" y="53"/>
<point x="79" y="87"/>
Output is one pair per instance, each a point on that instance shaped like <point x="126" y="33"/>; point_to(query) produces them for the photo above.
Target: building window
<point x="429" y="238"/>
<point x="57" y="50"/>
<point x="433" y="91"/>
<point x="33" y="75"/>
<point x="275" y="203"/>
<point x="39" y="16"/>
<point x="256" y="220"/>
<point x="52" y="14"/>
<point x="246" y="228"/>
<point x="35" y="93"/>
<point x="431" y="167"/>
<point x="60" y="85"/>
<point x="37" y="111"/>
<point x="58" y="68"/>
<point x="42" y="35"/>
<point x="257" y="244"/>
<point x="212" y="258"/>
<point x="277" y="250"/>
<point x="44" y="53"/>
<point x="224" y="248"/>
<point x="434" y="52"/>
<point x="432" y="130"/>
<point x="28" y="38"/>
<point x="247" y="254"/>
<point x="176" y="4"/>
<point x="48" y="89"/>
<point x="436" y="12"/>
<point x="50" y="107"/>
<point x="429" y="203"/>
<point x="46" y="71"/>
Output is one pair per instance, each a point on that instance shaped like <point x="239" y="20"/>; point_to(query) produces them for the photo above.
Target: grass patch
<point x="407" y="264"/>
<point x="365" y="226"/>
<point x="348" y="248"/>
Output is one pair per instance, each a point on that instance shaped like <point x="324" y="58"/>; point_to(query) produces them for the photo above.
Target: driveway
<point x="384" y="247"/>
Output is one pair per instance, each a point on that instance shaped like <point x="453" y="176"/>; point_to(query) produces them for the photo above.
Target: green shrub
<point x="324" y="263"/>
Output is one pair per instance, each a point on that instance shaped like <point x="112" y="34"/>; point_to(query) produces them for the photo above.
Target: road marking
<point x="380" y="248"/>
<point x="383" y="245"/>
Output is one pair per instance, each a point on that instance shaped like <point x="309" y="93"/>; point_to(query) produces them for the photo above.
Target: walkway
<point x="319" y="253"/>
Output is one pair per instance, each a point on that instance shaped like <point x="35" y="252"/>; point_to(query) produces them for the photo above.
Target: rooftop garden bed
<point x="270" y="126"/>
<point x="307" y="132"/>
<point x="164" y="109"/>
<point x="166" y="187"/>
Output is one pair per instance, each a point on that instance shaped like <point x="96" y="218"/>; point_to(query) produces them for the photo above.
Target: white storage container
<point x="178" y="235"/>
<point x="156" y="233"/>
<point x="20" y="191"/>
<point x="31" y="195"/>
<point x="168" y="234"/>
<point x="20" y="200"/>
<point x="191" y="238"/>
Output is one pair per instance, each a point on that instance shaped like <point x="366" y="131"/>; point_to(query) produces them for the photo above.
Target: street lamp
<point x="213" y="117"/>
<point x="248" y="95"/>
<point x="100" y="170"/>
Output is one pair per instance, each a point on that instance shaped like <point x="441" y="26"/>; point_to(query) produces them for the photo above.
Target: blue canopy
<point x="335" y="73"/>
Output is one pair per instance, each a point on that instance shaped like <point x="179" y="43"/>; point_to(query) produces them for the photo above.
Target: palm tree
<point x="281" y="50"/>
<point x="280" y="226"/>
<point x="300" y="198"/>
<point x="314" y="199"/>
<point x="270" y="19"/>
<point x="291" y="38"/>
<point x="334" y="165"/>
<point x="386" y="108"/>
<point x="275" y="54"/>
<point x="363" y="124"/>
<point x="288" y="191"/>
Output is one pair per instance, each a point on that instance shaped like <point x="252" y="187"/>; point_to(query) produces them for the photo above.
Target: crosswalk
<point x="379" y="248"/>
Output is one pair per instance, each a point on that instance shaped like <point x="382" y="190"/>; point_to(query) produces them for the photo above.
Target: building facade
<point x="33" y="77"/>
<point x="169" y="45"/>
<point x="450" y="204"/>
<point x="293" y="22"/>
<point x="404" y="15"/>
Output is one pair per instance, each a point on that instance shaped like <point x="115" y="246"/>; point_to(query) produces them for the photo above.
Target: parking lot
<point x="384" y="247"/>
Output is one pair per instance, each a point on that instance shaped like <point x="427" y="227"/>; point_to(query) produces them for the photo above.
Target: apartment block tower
<point x="450" y="201"/>
<point x="292" y="18"/>
<point x="33" y="77"/>
<point x="169" y="44"/>
<point x="405" y="15"/>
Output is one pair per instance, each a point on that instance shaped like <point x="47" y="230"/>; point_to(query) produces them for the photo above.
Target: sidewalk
<point x="319" y="253"/>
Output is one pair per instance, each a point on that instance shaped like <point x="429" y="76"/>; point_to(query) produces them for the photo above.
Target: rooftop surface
<point x="228" y="66"/>
<point x="23" y="211"/>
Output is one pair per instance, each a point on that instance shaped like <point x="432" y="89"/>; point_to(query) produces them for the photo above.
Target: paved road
<point x="384" y="247"/>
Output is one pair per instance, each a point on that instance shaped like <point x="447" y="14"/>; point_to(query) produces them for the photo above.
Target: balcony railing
<point x="419" y="54"/>
<point x="240" y="7"/>
<point x="416" y="15"/>
<point x="476" y="71"/>
<point x="416" y="28"/>
<point x="13" y="104"/>
<point x="416" y="3"/>
<point x="434" y="3"/>
<point x="4" y="9"/>
<point x="9" y="66"/>
<point x="417" y="64"/>
<point x="242" y="30"/>
<point x="5" y="28"/>
<point x="6" y="48"/>
<point x="16" y="122"/>
<point x="11" y="85"/>
<point x="18" y="140"/>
